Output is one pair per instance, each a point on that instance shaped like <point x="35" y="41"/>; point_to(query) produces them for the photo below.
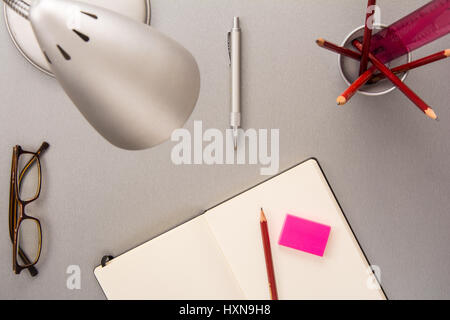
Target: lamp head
<point x="132" y="83"/>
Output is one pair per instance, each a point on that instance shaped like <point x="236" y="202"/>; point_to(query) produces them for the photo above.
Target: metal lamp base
<point x="23" y="37"/>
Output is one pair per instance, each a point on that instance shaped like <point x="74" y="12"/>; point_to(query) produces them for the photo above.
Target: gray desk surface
<point x="387" y="162"/>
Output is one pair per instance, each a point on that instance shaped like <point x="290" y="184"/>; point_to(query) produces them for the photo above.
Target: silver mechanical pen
<point x="234" y="42"/>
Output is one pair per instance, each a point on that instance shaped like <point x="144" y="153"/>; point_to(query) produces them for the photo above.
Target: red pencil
<point x="397" y="82"/>
<point x="414" y="64"/>
<point x="370" y="10"/>
<point x="338" y="49"/>
<point x="362" y="80"/>
<point x="268" y="257"/>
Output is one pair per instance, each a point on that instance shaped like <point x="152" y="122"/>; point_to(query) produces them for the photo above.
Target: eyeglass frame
<point x="17" y="214"/>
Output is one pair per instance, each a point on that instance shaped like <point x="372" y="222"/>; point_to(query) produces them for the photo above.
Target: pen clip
<point x="229" y="45"/>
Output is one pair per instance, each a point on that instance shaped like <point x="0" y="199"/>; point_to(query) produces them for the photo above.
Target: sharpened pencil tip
<point x="341" y="100"/>
<point x="447" y="53"/>
<point x="430" y="112"/>
<point x="263" y="216"/>
<point x="320" y="42"/>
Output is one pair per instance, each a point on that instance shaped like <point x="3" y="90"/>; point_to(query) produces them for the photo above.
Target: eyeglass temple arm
<point x="41" y="150"/>
<point x="32" y="269"/>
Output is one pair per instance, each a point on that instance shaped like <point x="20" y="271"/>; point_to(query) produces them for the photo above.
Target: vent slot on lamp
<point x="47" y="58"/>
<point x="63" y="52"/>
<point x="89" y="14"/>
<point x="81" y="35"/>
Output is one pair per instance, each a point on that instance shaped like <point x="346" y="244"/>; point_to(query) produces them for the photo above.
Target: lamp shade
<point x="132" y="83"/>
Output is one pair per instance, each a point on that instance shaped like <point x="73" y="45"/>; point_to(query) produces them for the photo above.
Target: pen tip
<point x="236" y="22"/>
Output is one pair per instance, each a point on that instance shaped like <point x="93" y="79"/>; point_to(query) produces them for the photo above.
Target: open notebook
<point x="219" y="255"/>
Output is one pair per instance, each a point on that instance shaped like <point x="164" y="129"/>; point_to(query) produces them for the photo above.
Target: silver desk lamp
<point x="133" y="84"/>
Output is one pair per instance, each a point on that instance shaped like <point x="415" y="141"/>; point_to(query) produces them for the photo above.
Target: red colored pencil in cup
<point x="414" y="64"/>
<point x="362" y="80"/>
<point x="268" y="257"/>
<point x="397" y="82"/>
<point x="368" y="28"/>
<point x="338" y="49"/>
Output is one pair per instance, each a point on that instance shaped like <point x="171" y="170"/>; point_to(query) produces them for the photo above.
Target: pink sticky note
<point x="304" y="235"/>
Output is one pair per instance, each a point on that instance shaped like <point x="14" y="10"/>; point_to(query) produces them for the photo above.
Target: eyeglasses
<point x="25" y="231"/>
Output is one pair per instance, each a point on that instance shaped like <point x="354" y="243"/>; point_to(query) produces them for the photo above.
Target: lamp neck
<point x="19" y="6"/>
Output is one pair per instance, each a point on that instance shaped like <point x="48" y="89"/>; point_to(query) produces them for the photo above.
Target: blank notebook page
<point x="343" y="271"/>
<point x="184" y="263"/>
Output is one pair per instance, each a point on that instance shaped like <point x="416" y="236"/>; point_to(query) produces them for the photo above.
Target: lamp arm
<point x="19" y="6"/>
